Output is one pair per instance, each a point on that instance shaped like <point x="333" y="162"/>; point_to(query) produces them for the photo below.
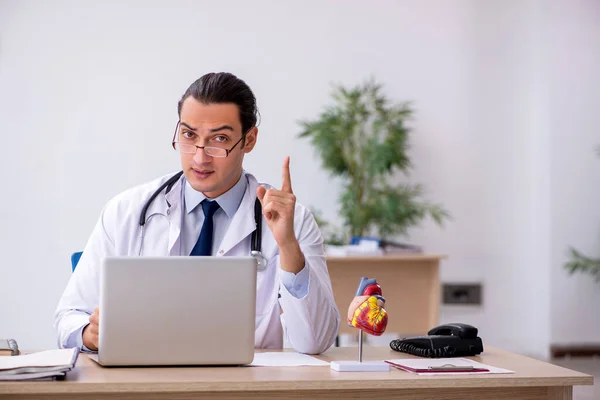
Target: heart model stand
<point x="366" y="313"/>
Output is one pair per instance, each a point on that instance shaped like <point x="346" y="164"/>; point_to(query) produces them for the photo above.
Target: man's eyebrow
<point x="187" y="126"/>
<point x="221" y="128"/>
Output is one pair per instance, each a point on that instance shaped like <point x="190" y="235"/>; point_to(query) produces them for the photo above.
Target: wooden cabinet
<point x="410" y="284"/>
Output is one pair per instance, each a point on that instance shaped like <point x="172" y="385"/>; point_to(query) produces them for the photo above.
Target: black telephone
<point x="450" y="340"/>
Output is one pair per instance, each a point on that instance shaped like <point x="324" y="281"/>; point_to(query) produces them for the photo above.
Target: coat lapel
<point x="174" y="213"/>
<point x="168" y="206"/>
<point x="242" y="224"/>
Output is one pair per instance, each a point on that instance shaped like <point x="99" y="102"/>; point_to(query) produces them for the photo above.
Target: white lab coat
<point x="311" y="323"/>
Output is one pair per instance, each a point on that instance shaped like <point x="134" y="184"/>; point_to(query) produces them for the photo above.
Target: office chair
<point x="75" y="259"/>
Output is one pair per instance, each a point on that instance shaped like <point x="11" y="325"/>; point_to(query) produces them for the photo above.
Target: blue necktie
<point x="203" y="246"/>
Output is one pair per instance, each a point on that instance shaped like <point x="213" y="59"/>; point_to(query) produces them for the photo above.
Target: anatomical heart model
<point x="366" y="310"/>
<point x="366" y="313"/>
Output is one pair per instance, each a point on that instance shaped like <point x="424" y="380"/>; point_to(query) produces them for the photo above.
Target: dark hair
<point x="223" y="87"/>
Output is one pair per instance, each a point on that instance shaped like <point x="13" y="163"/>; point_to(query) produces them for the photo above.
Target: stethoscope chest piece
<point x="261" y="261"/>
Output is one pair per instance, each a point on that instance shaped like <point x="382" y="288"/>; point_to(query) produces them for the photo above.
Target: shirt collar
<point x="228" y="201"/>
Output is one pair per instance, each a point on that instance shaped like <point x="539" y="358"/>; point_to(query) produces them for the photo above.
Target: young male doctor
<point x="209" y="210"/>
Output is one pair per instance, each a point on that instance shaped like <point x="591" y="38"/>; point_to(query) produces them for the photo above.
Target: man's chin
<point x="203" y="185"/>
<point x="204" y="188"/>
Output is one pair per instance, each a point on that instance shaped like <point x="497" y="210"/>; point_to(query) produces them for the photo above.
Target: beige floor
<point x="587" y="365"/>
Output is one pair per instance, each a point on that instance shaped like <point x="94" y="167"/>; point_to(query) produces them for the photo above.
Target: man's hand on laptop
<point x="90" y="332"/>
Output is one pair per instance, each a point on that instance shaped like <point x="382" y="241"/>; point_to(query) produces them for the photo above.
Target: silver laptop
<point x="177" y="311"/>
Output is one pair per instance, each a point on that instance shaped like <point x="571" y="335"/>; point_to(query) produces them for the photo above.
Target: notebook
<point x="49" y="364"/>
<point x="428" y="366"/>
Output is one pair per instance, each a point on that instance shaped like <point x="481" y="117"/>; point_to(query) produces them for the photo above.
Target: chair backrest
<point x="75" y="259"/>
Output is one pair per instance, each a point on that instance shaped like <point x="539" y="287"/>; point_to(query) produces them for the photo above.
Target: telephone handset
<point x="450" y="340"/>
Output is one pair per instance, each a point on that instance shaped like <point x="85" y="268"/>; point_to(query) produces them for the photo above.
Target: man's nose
<point x="200" y="157"/>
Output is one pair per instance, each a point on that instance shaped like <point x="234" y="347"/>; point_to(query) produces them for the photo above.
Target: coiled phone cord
<point x="399" y="345"/>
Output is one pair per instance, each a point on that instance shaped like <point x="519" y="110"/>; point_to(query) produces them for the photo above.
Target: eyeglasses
<point x="208" y="150"/>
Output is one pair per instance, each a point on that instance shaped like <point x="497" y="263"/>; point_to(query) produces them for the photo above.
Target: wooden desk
<point x="410" y="284"/>
<point x="533" y="380"/>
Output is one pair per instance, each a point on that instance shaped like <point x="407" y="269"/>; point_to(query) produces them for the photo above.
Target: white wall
<point x="575" y="134"/>
<point x="88" y="95"/>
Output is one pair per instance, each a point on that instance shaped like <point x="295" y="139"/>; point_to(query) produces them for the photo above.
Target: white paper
<point x="284" y="359"/>
<point x="353" y="250"/>
<point x="423" y="363"/>
<point x="33" y="376"/>
<point x="48" y="358"/>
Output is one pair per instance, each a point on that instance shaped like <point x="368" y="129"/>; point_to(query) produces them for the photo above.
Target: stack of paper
<point x="45" y="364"/>
<point x="352" y="250"/>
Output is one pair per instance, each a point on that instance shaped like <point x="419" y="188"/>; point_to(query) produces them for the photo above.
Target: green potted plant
<point x="362" y="138"/>
<point x="578" y="262"/>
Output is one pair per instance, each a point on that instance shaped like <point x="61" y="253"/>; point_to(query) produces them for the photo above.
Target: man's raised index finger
<point x="286" y="179"/>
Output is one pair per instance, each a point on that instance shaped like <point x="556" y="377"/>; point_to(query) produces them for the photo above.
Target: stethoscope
<point x="255" y="240"/>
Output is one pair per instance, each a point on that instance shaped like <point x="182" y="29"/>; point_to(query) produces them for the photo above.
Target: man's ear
<point x="251" y="138"/>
